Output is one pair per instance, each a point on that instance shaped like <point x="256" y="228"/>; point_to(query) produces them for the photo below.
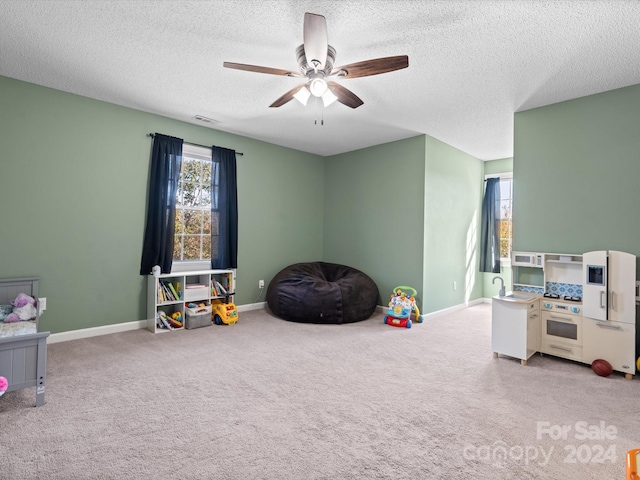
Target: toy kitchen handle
<point x="404" y="287"/>
<point x="612" y="305"/>
<point x="606" y="325"/>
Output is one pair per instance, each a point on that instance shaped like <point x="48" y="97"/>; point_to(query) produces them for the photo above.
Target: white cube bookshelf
<point x="169" y="292"/>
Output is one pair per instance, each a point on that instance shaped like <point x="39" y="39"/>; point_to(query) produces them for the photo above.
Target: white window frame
<point x="504" y="176"/>
<point x="199" y="153"/>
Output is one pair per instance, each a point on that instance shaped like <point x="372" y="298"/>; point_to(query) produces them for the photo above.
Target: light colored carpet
<point x="269" y="399"/>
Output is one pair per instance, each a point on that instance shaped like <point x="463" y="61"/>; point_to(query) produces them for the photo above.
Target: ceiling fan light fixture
<point x="302" y="95"/>
<point x="318" y="87"/>
<point x="328" y="98"/>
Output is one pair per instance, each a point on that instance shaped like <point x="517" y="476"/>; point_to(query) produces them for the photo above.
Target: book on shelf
<point x="167" y="292"/>
<point x="162" y="320"/>
<point x="173" y="290"/>
<point x="221" y="289"/>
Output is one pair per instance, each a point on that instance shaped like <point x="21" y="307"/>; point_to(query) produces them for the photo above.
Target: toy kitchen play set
<point x="579" y="307"/>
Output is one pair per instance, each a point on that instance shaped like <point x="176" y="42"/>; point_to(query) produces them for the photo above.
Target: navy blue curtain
<point x="166" y="160"/>
<point x="490" y="228"/>
<point x="224" y="206"/>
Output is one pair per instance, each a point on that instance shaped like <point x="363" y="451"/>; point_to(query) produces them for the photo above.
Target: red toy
<point x="602" y="367"/>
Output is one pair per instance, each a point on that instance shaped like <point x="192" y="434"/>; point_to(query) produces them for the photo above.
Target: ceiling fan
<point x="315" y="60"/>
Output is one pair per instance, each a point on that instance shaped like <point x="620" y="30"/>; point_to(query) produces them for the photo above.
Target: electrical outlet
<point x="455" y="285"/>
<point x="260" y="283"/>
<point x="43" y="304"/>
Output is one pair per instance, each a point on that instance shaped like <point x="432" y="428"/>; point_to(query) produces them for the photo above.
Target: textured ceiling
<point x="472" y="64"/>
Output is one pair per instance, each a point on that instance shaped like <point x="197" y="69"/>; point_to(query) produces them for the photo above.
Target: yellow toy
<point x="176" y="319"/>
<point x="224" y="313"/>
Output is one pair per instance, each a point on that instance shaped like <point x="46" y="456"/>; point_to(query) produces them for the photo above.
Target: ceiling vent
<point x="202" y="118"/>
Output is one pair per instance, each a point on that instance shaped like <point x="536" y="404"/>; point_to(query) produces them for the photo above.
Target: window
<point x="192" y="208"/>
<point x="193" y="226"/>
<point x="506" y="209"/>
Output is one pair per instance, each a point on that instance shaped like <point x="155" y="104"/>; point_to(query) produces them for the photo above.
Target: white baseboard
<point x="123" y="327"/>
<point x="251" y="306"/>
<point x="96" y="331"/>
<point x="455" y="308"/>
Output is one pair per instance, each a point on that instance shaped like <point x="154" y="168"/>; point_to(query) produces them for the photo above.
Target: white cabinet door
<point x="515" y="329"/>
<point x="613" y="342"/>
<point x="594" y="290"/>
<point x="622" y="287"/>
<point x="509" y="329"/>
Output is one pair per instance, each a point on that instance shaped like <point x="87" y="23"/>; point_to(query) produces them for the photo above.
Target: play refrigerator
<point x="609" y="309"/>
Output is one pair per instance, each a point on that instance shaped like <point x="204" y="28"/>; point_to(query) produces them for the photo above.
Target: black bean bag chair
<point x="319" y="292"/>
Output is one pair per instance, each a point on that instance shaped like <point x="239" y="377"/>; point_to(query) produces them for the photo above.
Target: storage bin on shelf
<point x="195" y="292"/>
<point x="197" y="316"/>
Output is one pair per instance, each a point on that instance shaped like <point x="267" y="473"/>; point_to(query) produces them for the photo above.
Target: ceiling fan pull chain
<point x="319" y="106"/>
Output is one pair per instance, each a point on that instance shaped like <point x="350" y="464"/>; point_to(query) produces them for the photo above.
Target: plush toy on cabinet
<point x="24" y="308"/>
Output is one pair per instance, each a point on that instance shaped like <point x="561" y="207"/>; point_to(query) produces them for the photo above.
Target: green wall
<point x="73" y="183"/>
<point x="453" y="195"/>
<point x="576" y="175"/>
<point x="406" y="213"/>
<point x="501" y="165"/>
<point x="373" y="210"/>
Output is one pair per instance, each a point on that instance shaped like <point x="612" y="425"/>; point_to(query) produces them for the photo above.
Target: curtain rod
<point x="195" y="144"/>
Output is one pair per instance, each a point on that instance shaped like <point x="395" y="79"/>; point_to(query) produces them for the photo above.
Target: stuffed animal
<point x="4" y="384"/>
<point x="23" y="299"/>
<point x="24" y="308"/>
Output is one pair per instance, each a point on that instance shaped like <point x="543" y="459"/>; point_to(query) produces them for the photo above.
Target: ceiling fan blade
<point x="345" y="96"/>
<point x="372" y="67"/>
<point x="315" y="40"/>
<point x="287" y="97"/>
<point x="258" y="69"/>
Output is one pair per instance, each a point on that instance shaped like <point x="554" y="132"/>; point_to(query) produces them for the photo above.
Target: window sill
<point x="181" y="267"/>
